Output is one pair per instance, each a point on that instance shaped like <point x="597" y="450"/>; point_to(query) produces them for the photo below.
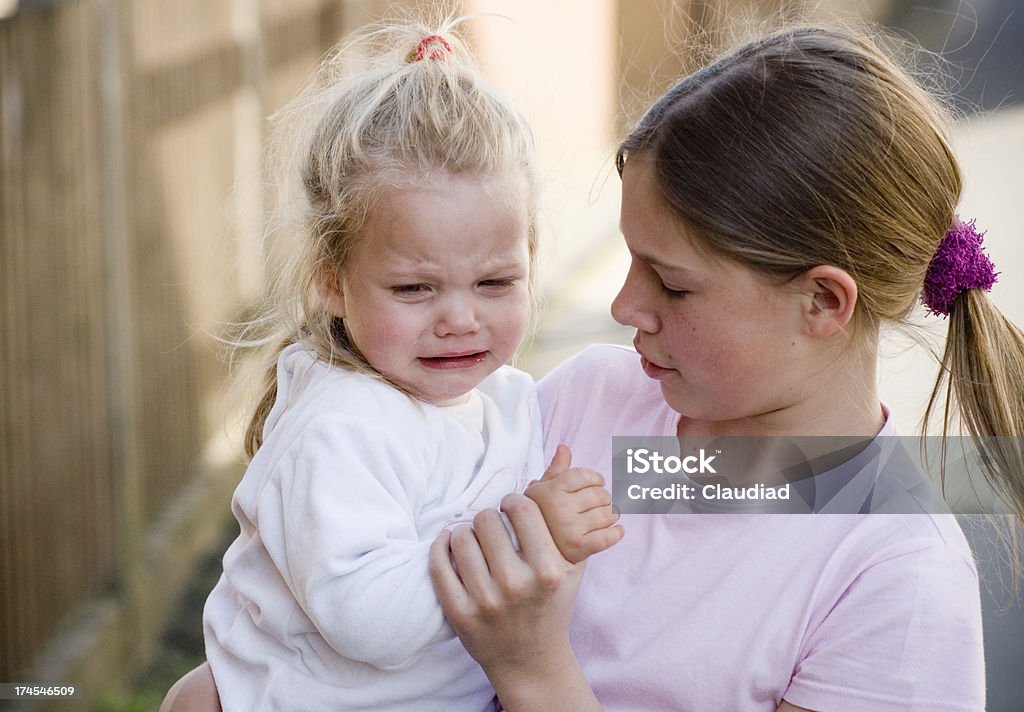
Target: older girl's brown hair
<point x="811" y="146"/>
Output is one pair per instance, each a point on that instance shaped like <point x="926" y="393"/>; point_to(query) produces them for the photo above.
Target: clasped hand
<point x="511" y="608"/>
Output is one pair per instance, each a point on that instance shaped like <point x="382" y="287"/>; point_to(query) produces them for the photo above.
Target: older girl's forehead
<point x="655" y="232"/>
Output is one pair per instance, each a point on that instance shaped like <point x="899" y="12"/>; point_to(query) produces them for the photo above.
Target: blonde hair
<point x="812" y="146"/>
<point x="388" y="107"/>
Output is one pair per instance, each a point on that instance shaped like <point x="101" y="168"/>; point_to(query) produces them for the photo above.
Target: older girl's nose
<point x="631" y="305"/>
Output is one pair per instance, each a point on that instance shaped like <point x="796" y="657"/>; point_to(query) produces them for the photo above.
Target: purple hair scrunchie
<point x="959" y="264"/>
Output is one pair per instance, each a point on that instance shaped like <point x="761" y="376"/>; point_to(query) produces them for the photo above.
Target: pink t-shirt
<point x="740" y="611"/>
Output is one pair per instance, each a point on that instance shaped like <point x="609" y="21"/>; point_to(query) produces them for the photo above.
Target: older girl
<point x="779" y="206"/>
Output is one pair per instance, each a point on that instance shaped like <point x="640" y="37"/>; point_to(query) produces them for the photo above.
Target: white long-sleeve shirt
<point x="326" y="602"/>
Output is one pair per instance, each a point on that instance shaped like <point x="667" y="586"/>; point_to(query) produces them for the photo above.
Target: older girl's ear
<point x="329" y="287"/>
<point x="830" y="297"/>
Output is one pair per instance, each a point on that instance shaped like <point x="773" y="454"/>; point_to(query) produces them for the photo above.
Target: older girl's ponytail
<point x="981" y="380"/>
<point x="981" y="375"/>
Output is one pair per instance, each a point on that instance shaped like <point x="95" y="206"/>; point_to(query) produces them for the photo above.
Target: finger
<point x="470" y="563"/>
<point x="597" y="518"/>
<point x="597" y="541"/>
<point x="578" y="478"/>
<point x="592" y="498"/>
<point x="556" y="502"/>
<point x="559" y="463"/>
<point x="447" y="584"/>
<point x="498" y="547"/>
<point x="496" y="542"/>
<point x="571" y="480"/>
<point x="535" y="541"/>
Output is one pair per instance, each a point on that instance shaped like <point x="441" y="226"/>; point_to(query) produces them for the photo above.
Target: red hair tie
<point x="435" y="53"/>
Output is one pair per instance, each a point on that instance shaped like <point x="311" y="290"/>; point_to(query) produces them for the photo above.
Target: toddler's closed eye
<point x="410" y="289"/>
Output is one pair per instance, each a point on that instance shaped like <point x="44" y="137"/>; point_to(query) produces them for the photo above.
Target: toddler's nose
<point x="458" y="317"/>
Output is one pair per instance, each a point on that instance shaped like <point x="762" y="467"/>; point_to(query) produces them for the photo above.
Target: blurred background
<point x="131" y="203"/>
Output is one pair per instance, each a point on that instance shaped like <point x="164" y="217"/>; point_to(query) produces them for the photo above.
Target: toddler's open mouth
<point x="465" y="360"/>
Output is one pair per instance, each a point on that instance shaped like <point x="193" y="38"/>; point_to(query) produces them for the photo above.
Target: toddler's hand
<point x="576" y="507"/>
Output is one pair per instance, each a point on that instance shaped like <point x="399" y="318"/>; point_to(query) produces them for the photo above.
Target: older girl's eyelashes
<point x="668" y="288"/>
<point x="654" y="271"/>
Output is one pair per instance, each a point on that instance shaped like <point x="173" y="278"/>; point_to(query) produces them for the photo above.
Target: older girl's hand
<point x="511" y="609"/>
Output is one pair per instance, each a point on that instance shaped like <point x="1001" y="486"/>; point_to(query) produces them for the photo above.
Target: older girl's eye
<point x="673" y="293"/>
<point x="497" y="283"/>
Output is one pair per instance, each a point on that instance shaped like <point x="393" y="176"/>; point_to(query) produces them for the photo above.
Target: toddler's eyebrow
<point x="426" y="269"/>
<point x="503" y="265"/>
<point x="410" y="269"/>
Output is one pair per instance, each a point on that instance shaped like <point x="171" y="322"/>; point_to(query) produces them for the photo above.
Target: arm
<point x="511" y="611"/>
<point x="337" y="518"/>
<point x="512" y="608"/>
<point x="577" y="508"/>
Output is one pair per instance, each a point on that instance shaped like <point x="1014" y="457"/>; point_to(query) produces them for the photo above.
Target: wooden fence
<point x="130" y="204"/>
